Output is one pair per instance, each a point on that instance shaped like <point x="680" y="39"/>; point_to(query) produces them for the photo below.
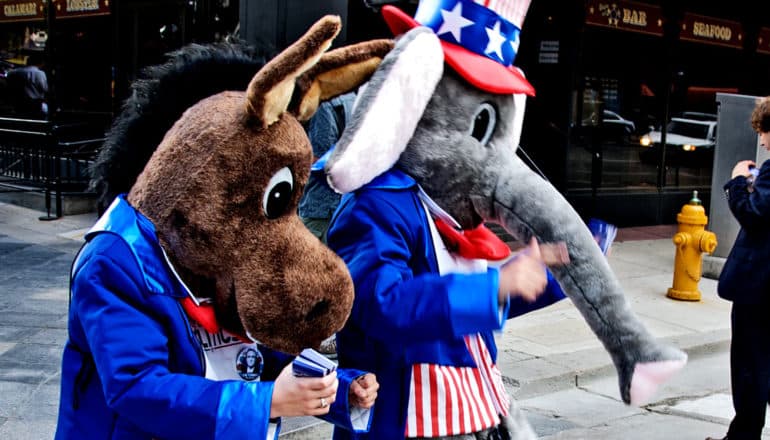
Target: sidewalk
<point x="554" y="349"/>
<point x="548" y="350"/>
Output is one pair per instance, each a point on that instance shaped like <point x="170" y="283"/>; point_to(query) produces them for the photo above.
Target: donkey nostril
<point x="318" y="310"/>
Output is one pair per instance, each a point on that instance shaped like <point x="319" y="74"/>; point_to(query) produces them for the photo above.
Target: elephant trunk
<point x="526" y="205"/>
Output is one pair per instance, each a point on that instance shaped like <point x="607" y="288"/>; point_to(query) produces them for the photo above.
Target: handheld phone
<point x="754" y="173"/>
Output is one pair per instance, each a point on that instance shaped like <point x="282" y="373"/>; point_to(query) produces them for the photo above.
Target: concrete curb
<point x="34" y="199"/>
<point x="712" y="266"/>
<point x="596" y="363"/>
<point x="593" y="364"/>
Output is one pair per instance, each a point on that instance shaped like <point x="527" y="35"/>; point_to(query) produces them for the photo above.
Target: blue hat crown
<point x="489" y="28"/>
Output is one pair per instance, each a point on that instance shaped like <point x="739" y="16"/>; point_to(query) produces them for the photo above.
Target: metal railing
<point x="48" y="157"/>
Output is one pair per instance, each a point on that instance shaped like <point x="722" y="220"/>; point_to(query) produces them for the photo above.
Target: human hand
<point x="524" y="275"/>
<point x="742" y="168"/>
<point x="554" y="254"/>
<point x="363" y="391"/>
<point x="302" y="396"/>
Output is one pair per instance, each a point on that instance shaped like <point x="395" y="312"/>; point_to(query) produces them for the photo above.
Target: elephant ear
<point x="519" y="103"/>
<point x="387" y="111"/>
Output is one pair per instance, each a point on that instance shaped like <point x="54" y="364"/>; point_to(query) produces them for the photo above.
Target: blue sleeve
<point x="126" y="336"/>
<point x="341" y="413"/>
<point x="399" y="299"/>
<point x="751" y="209"/>
<point x="552" y="294"/>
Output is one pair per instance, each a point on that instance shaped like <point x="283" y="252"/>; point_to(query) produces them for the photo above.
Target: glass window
<point x="21" y="45"/>
<point x="689" y="129"/>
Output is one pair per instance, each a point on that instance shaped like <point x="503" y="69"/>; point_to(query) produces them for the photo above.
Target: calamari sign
<point x="22" y="10"/>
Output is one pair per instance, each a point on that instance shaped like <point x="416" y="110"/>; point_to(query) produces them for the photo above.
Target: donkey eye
<point x="278" y="193"/>
<point x="484" y="122"/>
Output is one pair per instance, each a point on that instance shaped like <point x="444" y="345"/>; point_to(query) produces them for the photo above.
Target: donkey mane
<point x="158" y="99"/>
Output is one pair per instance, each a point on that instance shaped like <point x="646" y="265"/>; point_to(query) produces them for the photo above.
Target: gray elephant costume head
<point x="451" y="116"/>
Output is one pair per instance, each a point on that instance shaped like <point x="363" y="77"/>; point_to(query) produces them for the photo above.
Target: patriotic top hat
<point x="480" y="38"/>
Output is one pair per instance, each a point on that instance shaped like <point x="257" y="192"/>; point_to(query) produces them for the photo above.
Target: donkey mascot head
<point x="209" y="152"/>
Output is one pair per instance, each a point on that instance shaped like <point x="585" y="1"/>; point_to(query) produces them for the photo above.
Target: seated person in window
<point x="28" y="87"/>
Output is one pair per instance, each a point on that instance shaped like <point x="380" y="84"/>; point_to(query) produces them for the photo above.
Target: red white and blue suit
<point x="407" y="312"/>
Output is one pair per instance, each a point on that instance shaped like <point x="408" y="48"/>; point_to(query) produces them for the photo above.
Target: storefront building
<point x="617" y="80"/>
<point x="65" y="68"/>
<point x="623" y="124"/>
<point x="93" y="49"/>
<point x="625" y="118"/>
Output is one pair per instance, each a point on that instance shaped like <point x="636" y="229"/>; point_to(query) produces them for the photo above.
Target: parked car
<point x="612" y="119"/>
<point x="699" y="116"/>
<point x="689" y="142"/>
<point x="611" y="129"/>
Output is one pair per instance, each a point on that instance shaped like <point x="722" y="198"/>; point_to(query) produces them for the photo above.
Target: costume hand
<point x="363" y="391"/>
<point x="302" y="396"/>
<point x="742" y="168"/>
<point x="524" y="275"/>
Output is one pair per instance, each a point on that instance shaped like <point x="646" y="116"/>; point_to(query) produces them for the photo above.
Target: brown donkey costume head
<point x="222" y="190"/>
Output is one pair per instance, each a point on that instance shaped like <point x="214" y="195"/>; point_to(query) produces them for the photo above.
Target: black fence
<point x="48" y="157"/>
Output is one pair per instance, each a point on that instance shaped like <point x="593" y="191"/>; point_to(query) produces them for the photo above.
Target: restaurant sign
<point x="625" y="15"/>
<point x="81" y="8"/>
<point x="763" y="43"/>
<point x="711" y="30"/>
<point x="22" y="10"/>
<point x="34" y="10"/>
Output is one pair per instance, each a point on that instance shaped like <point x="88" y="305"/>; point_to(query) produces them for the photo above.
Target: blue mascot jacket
<point x="132" y="368"/>
<point x="404" y="312"/>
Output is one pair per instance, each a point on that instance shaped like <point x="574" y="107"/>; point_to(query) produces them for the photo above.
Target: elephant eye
<point x="484" y="121"/>
<point x="278" y="193"/>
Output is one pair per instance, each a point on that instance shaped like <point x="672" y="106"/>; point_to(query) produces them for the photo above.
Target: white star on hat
<point x="496" y="40"/>
<point x="515" y="44"/>
<point x="453" y="21"/>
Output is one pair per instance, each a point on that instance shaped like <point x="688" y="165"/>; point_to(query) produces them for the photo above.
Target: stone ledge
<point x="34" y="198"/>
<point x="712" y="266"/>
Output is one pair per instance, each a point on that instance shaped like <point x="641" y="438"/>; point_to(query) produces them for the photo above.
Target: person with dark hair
<point x="745" y="281"/>
<point x="28" y="88"/>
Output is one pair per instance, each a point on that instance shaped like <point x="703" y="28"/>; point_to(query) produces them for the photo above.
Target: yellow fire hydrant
<point x="691" y="241"/>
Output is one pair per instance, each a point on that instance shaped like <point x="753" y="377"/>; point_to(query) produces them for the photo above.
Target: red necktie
<point x="204" y="315"/>
<point x="479" y="242"/>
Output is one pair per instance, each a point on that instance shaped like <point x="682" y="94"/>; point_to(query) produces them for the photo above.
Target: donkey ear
<point x="270" y="90"/>
<point x="339" y="71"/>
